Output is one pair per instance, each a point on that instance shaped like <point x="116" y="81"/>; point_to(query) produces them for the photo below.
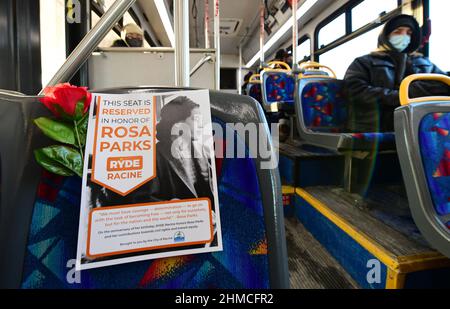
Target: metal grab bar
<point x="14" y="96"/>
<point x="200" y="64"/>
<point x="83" y="51"/>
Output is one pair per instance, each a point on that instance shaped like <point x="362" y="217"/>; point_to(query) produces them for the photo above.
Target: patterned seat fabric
<point x="279" y="87"/>
<point x="254" y="90"/>
<point x="324" y="107"/>
<point x="435" y="149"/>
<point x="325" y="111"/>
<point x="243" y="263"/>
<point x="375" y="137"/>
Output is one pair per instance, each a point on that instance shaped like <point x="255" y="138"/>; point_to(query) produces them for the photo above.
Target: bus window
<point x="53" y="37"/>
<point x="370" y="10"/>
<point x="340" y="58"/>
<point x="304" y="50"/>
<point x="332" y="31"/>
<point x="438" y="42"/>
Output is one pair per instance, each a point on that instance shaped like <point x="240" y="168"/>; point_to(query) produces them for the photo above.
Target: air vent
<point x="230" y="27"/>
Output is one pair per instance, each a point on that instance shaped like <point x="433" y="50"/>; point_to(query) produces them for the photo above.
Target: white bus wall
<point x="126" y="67"/>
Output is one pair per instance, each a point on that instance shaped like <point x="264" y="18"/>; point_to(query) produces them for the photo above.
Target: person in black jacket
<point x="373" y="81"/>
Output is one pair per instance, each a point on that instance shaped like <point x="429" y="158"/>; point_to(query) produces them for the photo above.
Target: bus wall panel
<point x="144" y="68"/>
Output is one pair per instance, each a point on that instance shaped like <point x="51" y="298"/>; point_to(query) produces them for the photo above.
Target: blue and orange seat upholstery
<point x="254" y="254"/>
<point x="254" y="88"/>
<point x="278" y="87"/>
<point x="422" y="128"/>
<point x="322" y="113"/>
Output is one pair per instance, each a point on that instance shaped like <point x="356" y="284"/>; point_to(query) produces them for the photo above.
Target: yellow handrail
<point x="255" y="79"/>
<point x="315" y="65"/>
<point x="406" y="83"/>
<point x="279" y="63"/>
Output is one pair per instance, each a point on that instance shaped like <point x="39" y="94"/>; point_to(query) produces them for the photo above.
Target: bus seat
<point x="39" y="231"/>
<point x="278" y="87"/>
<point x="323" y="106"/>
<point x="322" y="114"/>
<point x="312" y="68"/>
<point x="19" y="177"/>
<point x="254" y="88"/>
<point x="422" y="128"/>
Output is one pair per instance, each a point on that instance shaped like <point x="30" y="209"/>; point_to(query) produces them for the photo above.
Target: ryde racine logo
<point x="179" y="237"/>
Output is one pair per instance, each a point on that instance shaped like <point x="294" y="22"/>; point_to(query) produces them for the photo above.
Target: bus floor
<point x="310" y="264"/>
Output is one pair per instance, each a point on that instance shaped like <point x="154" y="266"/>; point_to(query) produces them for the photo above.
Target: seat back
<point x="19" y="178"/>
<point x="311" y="68"/>
<point x="322" y="113"/>
<point x="278" y="86"/>
<point x="423" y="145"/>
<point x="320" y="106"/>
<point x="321" y="99"/>
<point x="254" y="88"/>
<point x="323" y="107"/>
<point x="254" y="254"/>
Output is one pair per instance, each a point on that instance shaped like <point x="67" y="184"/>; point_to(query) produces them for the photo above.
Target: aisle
<point x="310" y="265"/>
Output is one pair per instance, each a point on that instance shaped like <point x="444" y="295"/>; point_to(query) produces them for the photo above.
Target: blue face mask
<point x="400" y="41"/>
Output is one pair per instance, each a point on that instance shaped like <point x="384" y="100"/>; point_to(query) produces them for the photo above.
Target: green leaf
<point x="66" y="156"/>
<point x="82" y="126"/>
<point x="56" y="130"/>
<point x="51" y="165"/>
<point x="79" y="109"/>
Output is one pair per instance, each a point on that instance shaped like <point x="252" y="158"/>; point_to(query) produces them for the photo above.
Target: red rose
<point x="66" y="97"/>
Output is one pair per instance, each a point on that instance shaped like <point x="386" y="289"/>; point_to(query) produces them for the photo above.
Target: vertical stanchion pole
<point x="181" y="20"/>
<point x="294" y="34"/>
<point x="240" y="71"/>
<point x="207" y="43"/>
<point x="262" y="11"/>
<point x="217" y="40"/>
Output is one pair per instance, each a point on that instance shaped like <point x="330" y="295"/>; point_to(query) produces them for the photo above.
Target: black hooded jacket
<point x="373" y="81"/>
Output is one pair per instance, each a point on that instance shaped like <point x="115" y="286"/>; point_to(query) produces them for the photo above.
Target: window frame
<point x="328" y="21"/>
<point x="350" y="35"/>
<point x="427" y="26"/>
<point x="300" y="41"/>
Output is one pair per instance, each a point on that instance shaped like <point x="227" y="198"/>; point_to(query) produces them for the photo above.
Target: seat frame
<point x="407" y="128"/>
